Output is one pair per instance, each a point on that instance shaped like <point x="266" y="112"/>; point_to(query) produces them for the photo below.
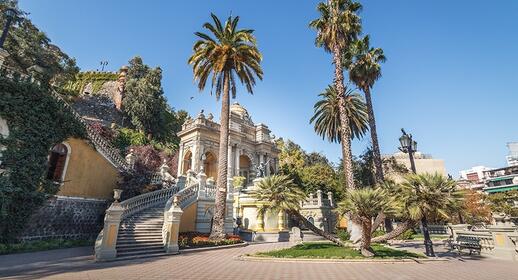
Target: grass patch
<point x="42" y="245"/>
<point x="321" y="250"/>
<point x="420" y="236"/>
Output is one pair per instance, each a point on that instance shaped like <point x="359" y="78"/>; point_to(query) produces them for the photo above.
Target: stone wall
<point x="67" y="218"/>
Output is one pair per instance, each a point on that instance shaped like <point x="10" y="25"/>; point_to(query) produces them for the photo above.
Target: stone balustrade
<point x="496" y="241"/>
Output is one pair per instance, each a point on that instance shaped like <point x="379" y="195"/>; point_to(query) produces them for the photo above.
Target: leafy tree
<point x="504" y="202"/>
<point x="475" y="208"/>
<point x="144" y="102"/>
<point x="320" y="177"/>
<point x="227" y="54"/>
<point x="280" y="194"/>
<point x="316" y="158"/>
<point x="364" y="71"/>
<point x="336" y="28"/>
<point x="28" y="47"/>
<point x="363" y="205"/>
<point x="326" y="116"/>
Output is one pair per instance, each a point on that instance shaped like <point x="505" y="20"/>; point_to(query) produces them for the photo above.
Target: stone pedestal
<point x="105" y="247"/>
<point x="172" y="229"/>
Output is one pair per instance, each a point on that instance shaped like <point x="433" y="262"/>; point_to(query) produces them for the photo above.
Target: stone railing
<point x="147" y="200"/>
<point x="111" y="153"/>
<point x="482" y="239"/>
<point x="496" y="241"/>
<point x="319" y="200"/>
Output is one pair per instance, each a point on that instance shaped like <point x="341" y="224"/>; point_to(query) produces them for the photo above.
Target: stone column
<point x="236" y="164"/>
<point x="230" y="189"/>
<point x="319" y="198"/>
<point x="195" y="157"/>
<point x="281" y="221"/>
<point x="180" y="159"/>
<point x="260" y="222"/>
<point x="172" y="228"/>
<point x="330" y="198"/>
<point x="230" y="162"/>
<point x="202" y="190"/>
<point x="105" y="245"/>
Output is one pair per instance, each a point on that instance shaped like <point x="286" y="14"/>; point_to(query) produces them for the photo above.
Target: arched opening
<point x="187" y="162"/>
<point x="210" y="165"/>
<point x="244" y="168"/>
<point x="57" y="162"/>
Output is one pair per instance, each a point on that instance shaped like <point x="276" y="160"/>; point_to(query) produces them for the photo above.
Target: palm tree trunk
<point x="400" y="229"/>
<point x="376" y="155"/>
<point x="301" y="219"/>
<point x="218" y="225"/>
<point x="365" y="245"/>
<point x="345" y="130"/>
<point x="378" y="165"/>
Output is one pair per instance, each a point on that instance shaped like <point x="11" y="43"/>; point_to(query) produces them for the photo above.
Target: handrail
<point x="101" y="144"/>
<point x="147" y="200"/>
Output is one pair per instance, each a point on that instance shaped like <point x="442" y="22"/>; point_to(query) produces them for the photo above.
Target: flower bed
<point x="197" y="240"/>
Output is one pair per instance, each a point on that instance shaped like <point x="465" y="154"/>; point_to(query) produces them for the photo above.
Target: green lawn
<point x="32" y="246"/>
<point x="419" y="236"/>
<point x="324" y="250"/>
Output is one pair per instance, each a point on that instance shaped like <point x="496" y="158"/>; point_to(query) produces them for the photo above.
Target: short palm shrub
<point x="343" y="235"/>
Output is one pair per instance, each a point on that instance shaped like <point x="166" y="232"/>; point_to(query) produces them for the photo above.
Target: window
<point x="57" y="162"/>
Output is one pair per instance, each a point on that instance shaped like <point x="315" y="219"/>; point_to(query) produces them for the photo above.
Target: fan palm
<point x="364" y="71"/>
<point x="363" y="205"/>
<point x="337" y="26"/>
<point x="228" y="53"/>
<point x="327" y="117"/>
<point x="279" y="194"/>
<point x="422" y="195"/>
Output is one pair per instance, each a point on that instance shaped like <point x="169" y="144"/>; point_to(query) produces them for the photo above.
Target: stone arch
<point x="210" y="164"/>
<point x="59" y="157"/>
<point x="186" y="161"/>
<point x="245" y="168"/>
<point x="253" y="159"/>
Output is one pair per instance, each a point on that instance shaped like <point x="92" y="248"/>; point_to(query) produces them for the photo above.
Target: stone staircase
<point x="141" y="235"/>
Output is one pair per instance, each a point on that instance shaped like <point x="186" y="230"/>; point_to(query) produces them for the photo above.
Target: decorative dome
<point x="238" y="109"/>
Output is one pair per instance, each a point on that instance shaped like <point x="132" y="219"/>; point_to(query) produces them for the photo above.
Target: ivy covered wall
<point x="97" y="79"/>
<point x="36" y="122"/>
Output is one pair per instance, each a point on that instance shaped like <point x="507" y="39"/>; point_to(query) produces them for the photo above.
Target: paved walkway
<point x="77" y="263"/>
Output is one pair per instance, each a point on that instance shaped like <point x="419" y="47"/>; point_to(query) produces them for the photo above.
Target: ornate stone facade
<point x="250" y="145"/>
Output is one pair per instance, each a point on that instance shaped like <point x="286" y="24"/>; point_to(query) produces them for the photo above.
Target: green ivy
<point x="36" y="122"/>
<point x="97" y="79"/>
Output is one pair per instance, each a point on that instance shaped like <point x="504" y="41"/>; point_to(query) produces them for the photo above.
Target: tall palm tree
<point x="337" y="26"/>
<point x="420" y="196"/>
<point x="227" y="53"/>
<point x="280" y="194"/>
<point x="363" y="205"/>
<point x="364" y="71"/>
<point x="326" y="118"/>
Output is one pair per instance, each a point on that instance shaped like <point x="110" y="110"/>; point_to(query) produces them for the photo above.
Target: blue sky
<point x="450" y="78"/>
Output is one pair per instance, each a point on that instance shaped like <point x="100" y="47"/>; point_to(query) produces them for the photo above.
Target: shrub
<point x="407" y="235"/>
<point x="197" y="239"/>
<point x="377" y="233"/>
<point x="343" y="234"/>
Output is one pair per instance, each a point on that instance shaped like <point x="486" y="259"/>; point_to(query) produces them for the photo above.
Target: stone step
<point x="140" y="251"/>
<point x="143" y="240"/>
<point x="139" y="234"/>
<point x="142" y="226"/>
<point x="133" y="245"/>
<point x="148" y="255"/>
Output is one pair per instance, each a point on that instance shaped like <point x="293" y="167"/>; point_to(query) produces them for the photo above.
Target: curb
<point x="295" y="260"/>
<point x="193" y="250"/>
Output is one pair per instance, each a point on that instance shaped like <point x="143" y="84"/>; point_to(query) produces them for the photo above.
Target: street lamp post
<point x="408" y="145"/>
<point x="10" y="14"/>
